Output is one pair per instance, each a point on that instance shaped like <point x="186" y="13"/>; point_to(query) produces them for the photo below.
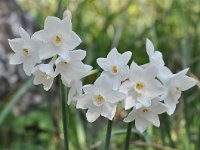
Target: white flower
<point x="99" y="99"/>
<point x="115" y="66"/>
<point x="144" y="116"/>
<point x="75" y="90"/>
<point x="141" y="86"/>
<point x="58" y="37"/>
<point x="44" y="74"/>
<point x="174" y="86"/>
<point x="155" y="57"/>
<point x="71" y="68"/>
<point x="26" y="51"/>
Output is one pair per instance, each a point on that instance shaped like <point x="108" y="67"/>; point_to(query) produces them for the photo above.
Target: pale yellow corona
<point x="114" y="69"/>
<point x="25" y="51"/>
<point x="58" y="38"/>
<point x="144" y="110"/>
<point x="100" y="99"/>
<point x="139" y="85"/>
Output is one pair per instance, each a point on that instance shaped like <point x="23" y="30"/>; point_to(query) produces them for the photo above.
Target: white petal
<point x="157" y="107"/>
<point x="52" y="24"/>
<point x="28" y="66"/>
<point x="47" y="51"/>
<point x="126" y="86"/>
<point x="67" y="24"/>
<point x="125" y="58"/>
<point x="24" y="34"/>
<point x="47" y="84"/>
<point x="93" y="113"/>
<point x="113" y="55"/>
<point x="75" y="90"/>
<point x="16" y="59"/>
<point x="150" y="72"/>
<point x="42" y="35"/>
<point x="135" y="72"/>
<point x="149" y="47"/>
<point x="186" y="83"/>
<point x="108" y="110"/>
<point x="131" y="116"/>
<point x="88" y="88"/>
<point x="124" y="73"/>
<point x="77" y="54"/>
<point x="114" y="96"/>
<point x="141" y="124"/>
<point x="129" y="102"/>
<point x="104" y="64"/>
<point x="84" y="101"/>
<point x="152" y="119"/>
<point x="16" y="44"/>
<point x="116" y="82"/>
<point x="71" y="39"/>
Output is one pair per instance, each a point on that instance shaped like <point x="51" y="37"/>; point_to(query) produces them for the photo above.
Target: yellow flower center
<point x="58" y="38"/>
<point x="65" y="62"/>
<point x="25" y="51"/>
<point x="178" y="88"/>
<point x="100" y="99"/>
<point x="114" y="69"/>
<point x="139" y="85"/>
<point x="144" y="110"/>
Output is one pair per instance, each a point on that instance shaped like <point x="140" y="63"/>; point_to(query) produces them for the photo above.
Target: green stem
<point x="128" y="135"/>
<point x="108" y="135"/>
<point x="64" y="114"/>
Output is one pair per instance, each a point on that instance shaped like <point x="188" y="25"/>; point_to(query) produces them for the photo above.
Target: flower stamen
<point x="100" y="99"/>
<point x="58" y="38"/>
<point x="114" y="69"/>
<point x="139" y="85"/>
<point x="145" y="110"/>
<point x="65" y="62"/>
<point x="25" y="51"/>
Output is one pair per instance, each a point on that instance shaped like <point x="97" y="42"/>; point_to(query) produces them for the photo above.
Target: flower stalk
<point x="64" y="114"/>
<point x="128" y="136"/>
<point x="108" y="135"/>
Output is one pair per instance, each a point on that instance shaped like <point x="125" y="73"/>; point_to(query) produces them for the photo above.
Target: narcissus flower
<point x="71" y="68"/>
<point x="58" y="37"/>
<point x="44" y="74"/>
<point x="174" y="86"/>
<point x="26" y="51"/>
<point x="155" y="57"/>
<point x="141" y="86"/>
<point x="115" y="66"/>
<point x="145" y="116"/>
<point x="100" y="99"/>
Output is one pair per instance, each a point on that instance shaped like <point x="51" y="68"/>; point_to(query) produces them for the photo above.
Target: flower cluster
<point x="56" y="43"/>
<point x="148" y="90"/>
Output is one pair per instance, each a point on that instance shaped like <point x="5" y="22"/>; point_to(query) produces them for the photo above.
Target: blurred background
<point x="31" y="118"/>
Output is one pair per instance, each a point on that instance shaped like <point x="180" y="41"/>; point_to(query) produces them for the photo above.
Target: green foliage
<point x="174" y="28"/>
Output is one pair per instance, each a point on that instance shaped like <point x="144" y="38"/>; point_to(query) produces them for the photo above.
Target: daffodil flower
<point x="115" y="66"/>
<point x="58" y="37"/>
<point x="26" y="51"/>
<point x="141" y="86"/>
<point x="174" y="86"/>
<point x="145" y="116"/>
<point x="44" y="74"/>
<point x="100" y="99"/>
<point x="72" y="68"/>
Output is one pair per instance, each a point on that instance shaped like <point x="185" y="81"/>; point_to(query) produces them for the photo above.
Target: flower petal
<point x="24" y="34"/>
<point x="131" y="116"/>
<point x="47" y="51"/>
<point x="93" y="113"/>
<point x="16" y="59"/>
<point x="84" y="101"/>
<point x="141" y="124"/>
<point x="149" y="47"/>
<point x="52" y="24"/>
<point x="108" y="110"/>
<point x="104" y="64"/>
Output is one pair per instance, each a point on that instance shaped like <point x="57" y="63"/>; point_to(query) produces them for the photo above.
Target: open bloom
<point x="174" y="86"/>
<point x="71" y="68"/>
<point x="99" y="99"/>
<point x="144" y="116"/>
<point x="115" y="66"/>
<point x="58" y="37"/>
<point x="155" y="57"/>
<point x="141" y="86"/>
<point x="44" y="74"/>
<point x="26" y="51"/>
